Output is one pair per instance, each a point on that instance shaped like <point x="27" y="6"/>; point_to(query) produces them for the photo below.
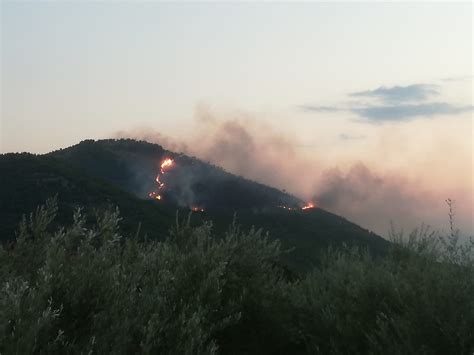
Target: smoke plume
<point x="369" y="195"/>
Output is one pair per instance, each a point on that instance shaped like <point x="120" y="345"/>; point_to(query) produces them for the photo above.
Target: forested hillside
<point x="98" y="175"/>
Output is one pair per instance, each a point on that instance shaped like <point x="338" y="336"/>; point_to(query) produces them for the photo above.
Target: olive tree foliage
<point x="86" y="289"/>
<point x="418" y="299"/>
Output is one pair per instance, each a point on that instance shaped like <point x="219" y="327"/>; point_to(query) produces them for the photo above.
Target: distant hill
<point x="134" y="165"/>
<point x="98" y="174"/>
<point x="28" y="180"/>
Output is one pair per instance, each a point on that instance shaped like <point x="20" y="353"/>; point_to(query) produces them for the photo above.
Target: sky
<point x="364" y="107"/>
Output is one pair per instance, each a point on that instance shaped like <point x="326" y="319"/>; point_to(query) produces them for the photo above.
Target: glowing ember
<point x="165" y="165"/>
<point x="287" y="208"/>
<point x="197" y="209"/>
<point x="154" y="195"/>
<point x="308" y="206"/>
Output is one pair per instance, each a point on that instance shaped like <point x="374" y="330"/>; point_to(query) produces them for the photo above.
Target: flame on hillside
<point x="308" y="206"/>
<point x="154" y="195"/>
<point x="165" y="165"/>
<point x="168" y="163"/>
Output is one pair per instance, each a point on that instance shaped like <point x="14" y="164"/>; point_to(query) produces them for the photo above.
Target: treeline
<point x="86" y="289"/>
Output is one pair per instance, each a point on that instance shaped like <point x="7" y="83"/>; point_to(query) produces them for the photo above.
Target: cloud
<point x="394" y="112"/>
<point x="320" y="108"/>
<point x="396" y="103"/>
<point x="408" y="112"/>
<point x="415" y="92"/>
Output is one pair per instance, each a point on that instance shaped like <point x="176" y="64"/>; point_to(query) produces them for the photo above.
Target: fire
<point x="308" y="206"/>
<point x="168" y="163"/>
<point x="165" y="165"/>
<point x="154" y="195"/>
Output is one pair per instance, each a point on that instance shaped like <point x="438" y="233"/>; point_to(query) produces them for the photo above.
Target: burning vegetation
<point x="165" y="165"/>
<point x="308" y="206"/>
<point x="197" y="209"/>
<point x="188" y="188"/>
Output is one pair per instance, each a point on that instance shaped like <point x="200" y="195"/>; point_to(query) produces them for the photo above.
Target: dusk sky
<point x="327" y="95"/>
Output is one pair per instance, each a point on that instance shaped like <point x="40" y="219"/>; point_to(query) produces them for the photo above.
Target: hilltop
<point x="100" y="174"/>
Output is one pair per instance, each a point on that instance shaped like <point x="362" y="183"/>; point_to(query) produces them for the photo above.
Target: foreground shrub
<point x="86" y="289"/>
<point x="414" y="305"/>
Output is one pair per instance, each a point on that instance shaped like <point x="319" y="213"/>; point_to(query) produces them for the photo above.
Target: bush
<point x="418" y="299"/>
<point x="86" y="289"/>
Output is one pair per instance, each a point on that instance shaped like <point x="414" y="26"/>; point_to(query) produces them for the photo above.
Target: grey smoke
<point x="373" y="200"/>
<point x="258" y="152"/>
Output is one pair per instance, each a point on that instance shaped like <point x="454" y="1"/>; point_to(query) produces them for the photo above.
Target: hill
<point x="27" y="180"/>
<point x="134" y="165"/>
<point x="99" y="174"/>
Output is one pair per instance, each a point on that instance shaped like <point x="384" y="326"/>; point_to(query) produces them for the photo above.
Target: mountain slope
<point x="28" y="180"/>
<point x="101" y="174"/>
<point x="134" y="165"/>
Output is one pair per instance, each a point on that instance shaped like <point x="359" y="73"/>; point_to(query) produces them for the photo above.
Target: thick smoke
<point x="180" y="181"/>
<point x="240" y="149"/>
<point x="370" y="197"/>
<point x="374" y="200"/>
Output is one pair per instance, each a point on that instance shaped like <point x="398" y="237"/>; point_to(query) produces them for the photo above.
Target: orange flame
<point x="308" y="206"/>
<point x="165" y="164"/>
<point x="154" y="195"/>
<point x="197" y="209"/>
